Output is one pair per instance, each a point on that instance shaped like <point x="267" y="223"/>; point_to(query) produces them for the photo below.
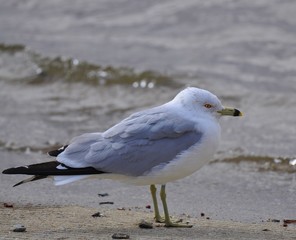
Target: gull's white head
<point x="203" y="102"/>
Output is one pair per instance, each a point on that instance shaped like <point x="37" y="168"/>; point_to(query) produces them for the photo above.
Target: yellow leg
<point x="157" y="216"/>
<point x="167" y="220"/>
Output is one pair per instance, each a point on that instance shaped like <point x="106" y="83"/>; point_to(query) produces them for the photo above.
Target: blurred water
<point x="66" y="69"/>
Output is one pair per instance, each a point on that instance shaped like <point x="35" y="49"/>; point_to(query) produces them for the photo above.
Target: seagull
<point x="150" y="147"/>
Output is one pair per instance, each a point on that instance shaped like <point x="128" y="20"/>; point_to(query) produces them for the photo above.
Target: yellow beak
<point x="230" y="112"/>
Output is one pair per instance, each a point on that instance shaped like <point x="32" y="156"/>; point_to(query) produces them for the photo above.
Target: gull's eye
<point x="207" y="105"/>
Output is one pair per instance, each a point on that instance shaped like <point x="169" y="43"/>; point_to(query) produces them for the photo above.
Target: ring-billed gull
<point x="153" y="146"/>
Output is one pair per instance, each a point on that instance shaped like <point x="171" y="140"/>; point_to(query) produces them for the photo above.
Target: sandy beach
<point x="74" y="222"/>
<point x="67" y="69"/>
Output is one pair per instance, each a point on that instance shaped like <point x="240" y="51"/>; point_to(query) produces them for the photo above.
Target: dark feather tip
<point x="19" y="183"/>
<point x="8" y="171"/>
<point x="55" y="153"/>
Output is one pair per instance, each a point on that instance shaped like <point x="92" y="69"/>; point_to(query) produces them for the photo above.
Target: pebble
<point x="98" y="214"/>
<point x="19" y="228"/>
<point x="289" y="221"/>
<point x="120" y="236"/>
<point x="144" y="224"/>
<point x="106" y="203"/>
<point x="103" y="194"/>
<point x="273" y="220"/>
<point x="8" y="205"/>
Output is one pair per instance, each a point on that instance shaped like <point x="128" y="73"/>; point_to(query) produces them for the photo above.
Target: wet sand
<point x="74" y="222"/>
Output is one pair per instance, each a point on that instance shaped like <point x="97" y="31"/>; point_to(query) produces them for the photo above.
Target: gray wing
<point x="135" y="145"/>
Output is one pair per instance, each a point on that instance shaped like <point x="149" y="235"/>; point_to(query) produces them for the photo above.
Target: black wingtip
<point x="50" y="169"/>
<point x="34" y="169"/>
<point x="19" y="183"/>
<point x="16" y="170"/>
<point x="8" y="171"/>
<point x="55" y="153"/>
<point x="31" y="179"/>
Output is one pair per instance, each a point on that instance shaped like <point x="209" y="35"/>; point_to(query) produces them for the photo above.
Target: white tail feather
<point x="61" y="180"/>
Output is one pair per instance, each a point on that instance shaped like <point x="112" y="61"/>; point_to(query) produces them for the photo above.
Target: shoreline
<point x="76" y="222"/>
